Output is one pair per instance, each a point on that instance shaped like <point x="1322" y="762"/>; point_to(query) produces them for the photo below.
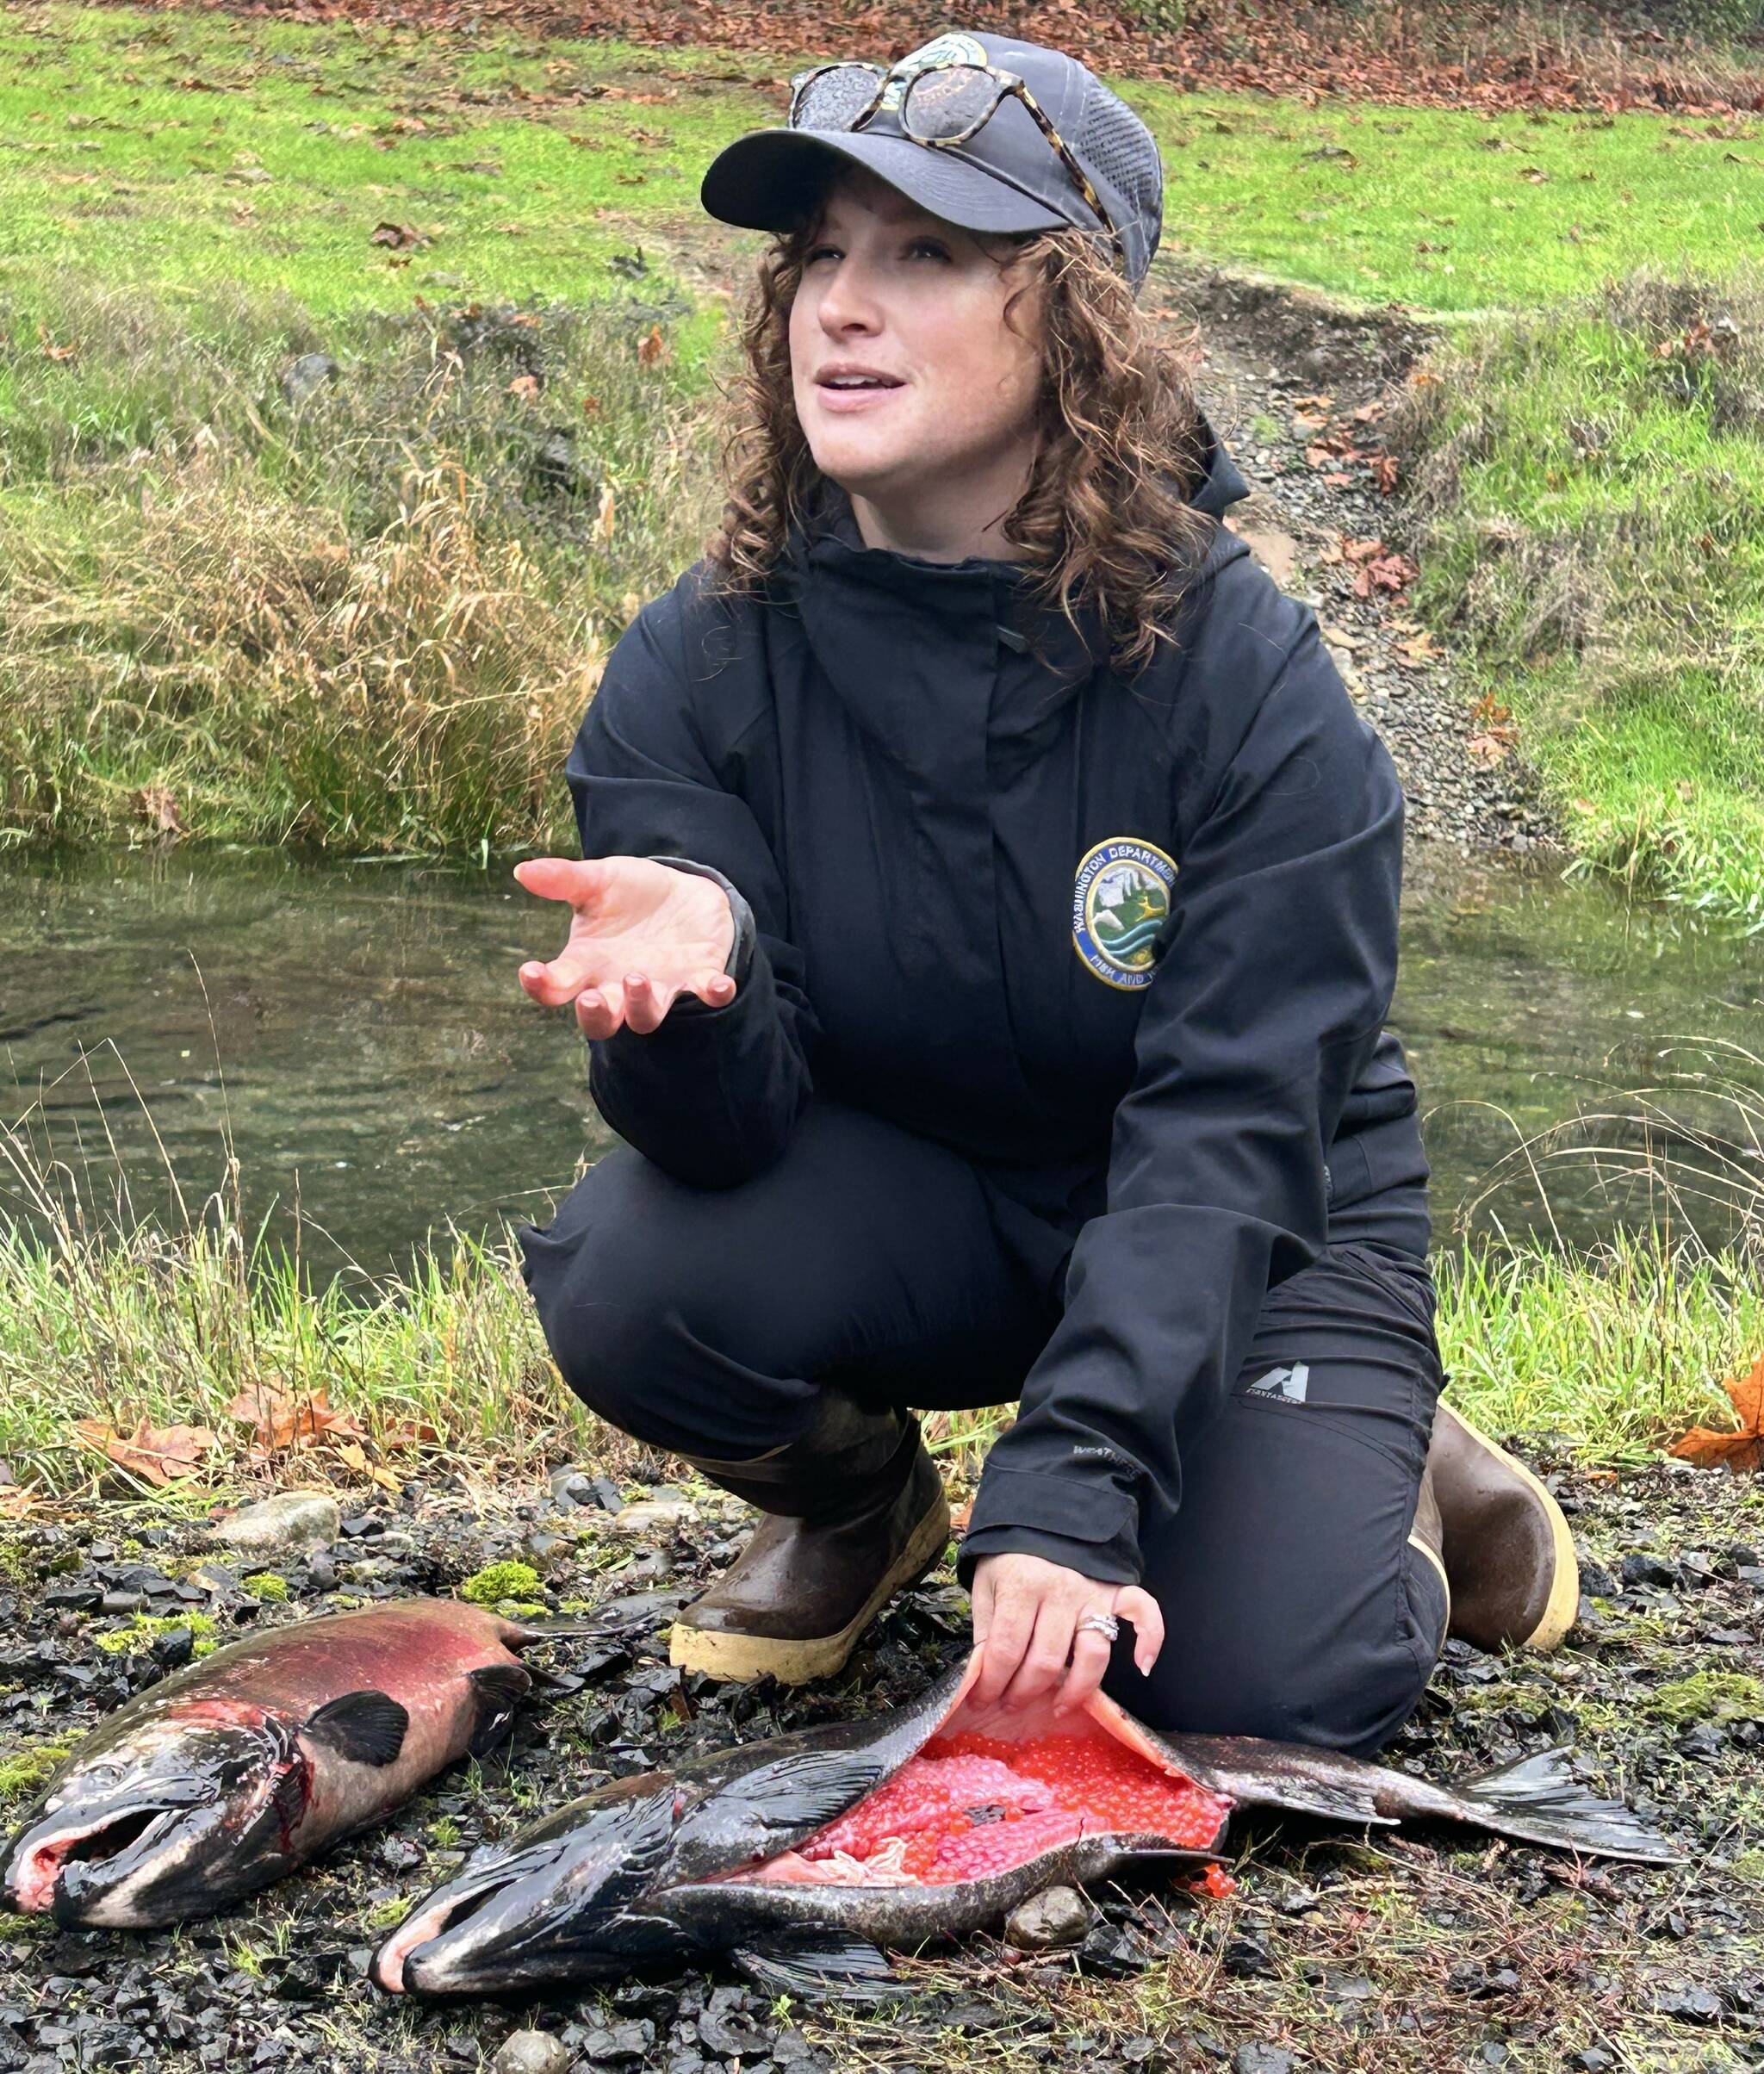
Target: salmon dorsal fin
<point x="367" y="1727"/>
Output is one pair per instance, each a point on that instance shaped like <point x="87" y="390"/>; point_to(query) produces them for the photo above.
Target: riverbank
<point x="1611" y="1352"/>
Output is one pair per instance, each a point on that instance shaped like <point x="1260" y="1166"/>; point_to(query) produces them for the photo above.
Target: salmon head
<point x="564" y="1901"/>
<point x="181" y="1812"/>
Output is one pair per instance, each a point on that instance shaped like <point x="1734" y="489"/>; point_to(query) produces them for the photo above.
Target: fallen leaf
<point x="604" y="519"/>
<point x="1737" y="1451"/>
<point x="1384" y="572"/>
<point x="1487" y="748"/>
<point x="398" y="236"/>
<point x="158" y="1455"/>
<point x="653" y="348"/>
<point x="525" y="386"/>
<point x="157" y="805"/>
<point x="279" y="1420"/>
<point x="1384" y="472"/>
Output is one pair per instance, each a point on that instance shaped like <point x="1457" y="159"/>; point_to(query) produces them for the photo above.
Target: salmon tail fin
<point x="1539" y="1800"/>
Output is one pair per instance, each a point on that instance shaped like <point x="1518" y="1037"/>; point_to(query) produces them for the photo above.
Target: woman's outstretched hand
<point x="640" y="935"/>
<point x="1027" y="1612"/>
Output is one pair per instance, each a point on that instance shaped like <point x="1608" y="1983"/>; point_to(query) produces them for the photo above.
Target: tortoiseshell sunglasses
<point x="943" y="105"/>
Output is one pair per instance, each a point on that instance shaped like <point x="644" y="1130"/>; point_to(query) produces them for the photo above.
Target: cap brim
<point x="762" y="181"/>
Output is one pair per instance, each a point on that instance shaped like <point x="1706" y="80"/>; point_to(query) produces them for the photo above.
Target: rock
<point x="303" y="378"/>
<point x="727" y="2027"/>
<point x="654" y="1516"/>
<point x="291" y="1519"/>
<point x="620" y="2044"/>
<point x="531" y="2052"/>
<point x="1689" y="2002"/>
<point x="1253" y="2057"/>
<point x="1057" y="1916"/>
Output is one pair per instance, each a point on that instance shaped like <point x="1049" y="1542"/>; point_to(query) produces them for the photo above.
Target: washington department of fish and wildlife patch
<point x="1120" y="901"/>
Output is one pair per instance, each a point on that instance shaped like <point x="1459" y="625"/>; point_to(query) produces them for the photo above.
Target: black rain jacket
<point x="902" y="795"/>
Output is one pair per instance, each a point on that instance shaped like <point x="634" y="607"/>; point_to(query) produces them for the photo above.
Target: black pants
<point x="1296" y="1604"/>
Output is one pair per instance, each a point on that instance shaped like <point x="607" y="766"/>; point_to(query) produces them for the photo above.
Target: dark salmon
<point x="242" y="1767"/>
<point x="800" y="1856"/>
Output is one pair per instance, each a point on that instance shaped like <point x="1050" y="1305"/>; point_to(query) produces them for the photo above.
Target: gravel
<point x="1415" y="1951"/>
<point x="1280" y="373"/>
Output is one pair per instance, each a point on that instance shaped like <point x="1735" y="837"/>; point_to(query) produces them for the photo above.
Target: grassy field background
<point x="231" y="616"/>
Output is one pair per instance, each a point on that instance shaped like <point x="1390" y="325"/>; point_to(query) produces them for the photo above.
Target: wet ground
<point x="1417" y="1951"/>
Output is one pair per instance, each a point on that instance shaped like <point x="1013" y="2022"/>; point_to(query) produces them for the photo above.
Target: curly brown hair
<point x="1105" y="521"/>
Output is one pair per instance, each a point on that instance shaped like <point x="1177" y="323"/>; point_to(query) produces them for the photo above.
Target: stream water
<point x="356" y="1037"/>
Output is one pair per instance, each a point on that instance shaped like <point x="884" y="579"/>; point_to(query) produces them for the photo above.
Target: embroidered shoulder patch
<point x="1120" y="901"/>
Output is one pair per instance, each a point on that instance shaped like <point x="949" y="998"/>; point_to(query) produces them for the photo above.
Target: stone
<point x="1057" y="1916"/>
<point x="1253" y="2057"/>
<point x="531" y="2052"/>
<point x="303" y="378"/>
<point x="654" y="1516"/>
<point x="291" y="1519"/>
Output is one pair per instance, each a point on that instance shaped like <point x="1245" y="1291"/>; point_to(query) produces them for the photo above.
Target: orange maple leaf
<point x="157" y="1454"/>
<point x="280" y="1420"/>
<point x="1737" y="1451"/>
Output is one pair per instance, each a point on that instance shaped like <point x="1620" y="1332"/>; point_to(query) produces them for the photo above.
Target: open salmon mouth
<point x="427" y="1927"/>
<point x="991" y="1791"/>
<point x="39" y="1866"/>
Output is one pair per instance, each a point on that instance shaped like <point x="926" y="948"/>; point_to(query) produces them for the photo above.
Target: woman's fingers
<point x="579" y="880"/>
<point x="1141" y="1609"/>
<point x="1044" y="1662"/>
<point x="1090" y="1660"/>
<point x="600" y="1011"/>
<point x="558" y="982"/>
<point x="1007" y="1637"/>
<point x="645" y="1002"/>
<point x="715" y="989"/>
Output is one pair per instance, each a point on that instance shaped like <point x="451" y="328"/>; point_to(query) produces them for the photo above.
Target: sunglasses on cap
<point x="943" y="106"/>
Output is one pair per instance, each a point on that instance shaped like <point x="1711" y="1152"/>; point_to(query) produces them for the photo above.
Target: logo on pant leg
<point x="1287" y="1384"/>
<point x="1119" y="902"/>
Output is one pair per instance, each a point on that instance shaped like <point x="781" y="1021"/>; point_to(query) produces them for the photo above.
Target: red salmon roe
<point x="968" y="1806"/>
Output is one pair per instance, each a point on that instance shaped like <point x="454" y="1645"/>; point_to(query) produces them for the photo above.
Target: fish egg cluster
<point x="968" y="1806"/>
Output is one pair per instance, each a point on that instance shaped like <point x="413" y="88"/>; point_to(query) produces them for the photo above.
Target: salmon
<point x="243" y="1765"/>
<point x="802" y="1856"/>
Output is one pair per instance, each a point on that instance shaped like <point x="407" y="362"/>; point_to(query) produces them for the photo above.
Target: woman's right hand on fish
<point x="1027" y="1616"/>
<point x="641" y="934"/>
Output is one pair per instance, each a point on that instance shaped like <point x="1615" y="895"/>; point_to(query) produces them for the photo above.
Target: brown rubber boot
<point x="1500" y="1540"/>
<point x="855" y="1512"/>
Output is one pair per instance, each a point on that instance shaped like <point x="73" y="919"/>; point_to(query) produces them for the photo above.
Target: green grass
<point x="1440" y="207"/>
<point x="1593" y="484"/>
<point x="187" y="153"/>
<point x="1617" y="1352"/>
<point x="190" y="150"/>
<point x="369" y="624"/>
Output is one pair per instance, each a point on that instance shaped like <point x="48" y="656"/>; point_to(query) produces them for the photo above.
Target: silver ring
<point x="1100" y="1624"/>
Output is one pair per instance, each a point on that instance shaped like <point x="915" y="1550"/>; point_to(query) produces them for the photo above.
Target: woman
<point x="987" y="921"/>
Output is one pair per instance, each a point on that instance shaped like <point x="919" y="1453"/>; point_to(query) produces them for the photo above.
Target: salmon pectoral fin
<point x="820" y="1966"/>
<point x="366" y="1727"/>
<point x="496" y="1689"/>
<point x="804" y="1789"/>
<point x="1539" y="1800"/>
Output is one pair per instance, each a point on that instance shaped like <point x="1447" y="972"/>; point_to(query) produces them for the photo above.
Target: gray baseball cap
<point x="1006" y="178"/>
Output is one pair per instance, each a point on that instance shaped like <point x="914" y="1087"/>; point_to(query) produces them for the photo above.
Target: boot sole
<point x="1563" y="1602"/>
<point x="739" y="1658"/>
